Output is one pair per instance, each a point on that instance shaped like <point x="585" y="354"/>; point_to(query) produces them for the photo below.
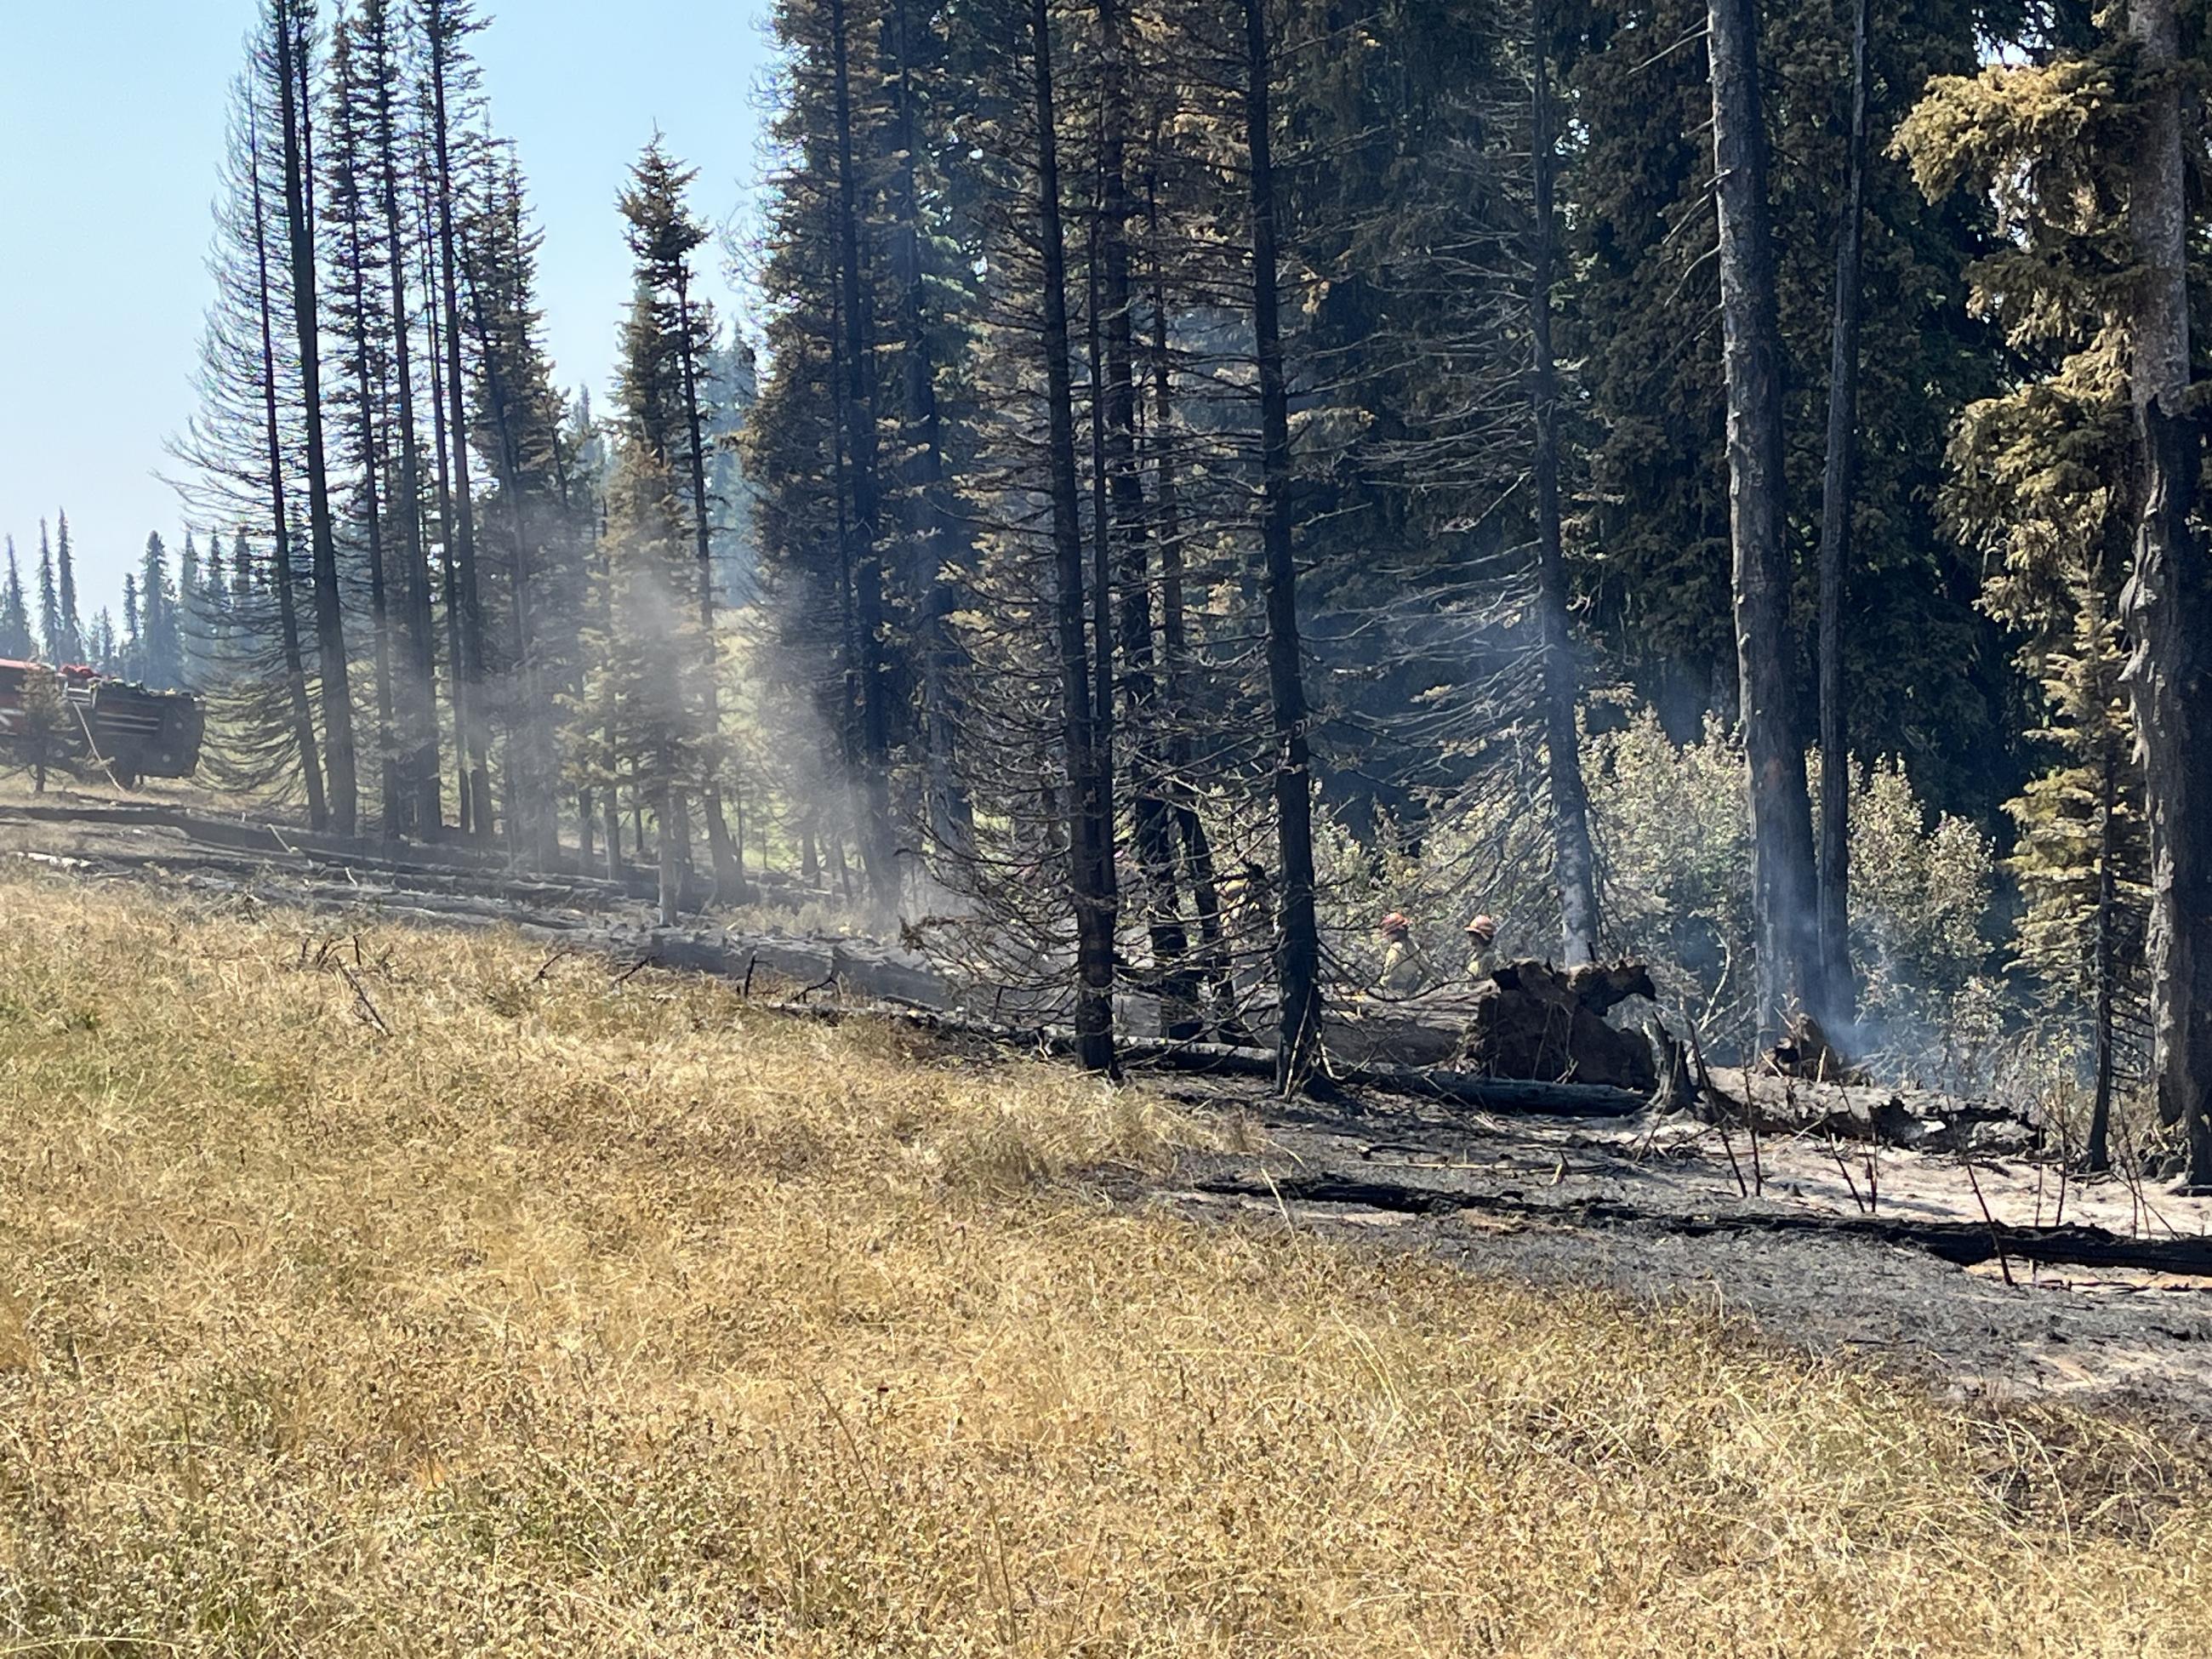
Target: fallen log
<point x="1962" y="1243"/>
<point x="1920" y="1120"/>
<point x="1491" y="1094"/>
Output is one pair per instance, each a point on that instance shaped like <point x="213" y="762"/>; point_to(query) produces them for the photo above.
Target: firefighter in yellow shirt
<point x="1404" y="974"/>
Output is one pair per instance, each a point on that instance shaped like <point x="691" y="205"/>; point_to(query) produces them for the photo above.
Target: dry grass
<point x="571" y="1317"/>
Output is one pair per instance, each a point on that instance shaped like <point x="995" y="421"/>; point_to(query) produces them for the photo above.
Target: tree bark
<point x="1835" y="1000"/>
<point x="2168" y="606"/>
<point x="288" y="621"/>
<point x="1573" y="865"/>
<point x="416" y="702"/>
<point x="1192" y="844"/>
<point x="461" y="531"/>
<point x="1131" y="532"/>
<point x="729" y="871"/>
<point x="330" y="620"/>
<point x="1091" y="835"/>
<point x="878" y="844"/>
<point x="1783" y="897"/>
<point x="1297" y="955"/>
<point x="462" y="693"/>
<point x="933" y="517"/>
<point x="2099" y="1157"/>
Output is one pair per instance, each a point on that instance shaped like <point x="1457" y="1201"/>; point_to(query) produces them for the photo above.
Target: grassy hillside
<point x="452" y="1302"/>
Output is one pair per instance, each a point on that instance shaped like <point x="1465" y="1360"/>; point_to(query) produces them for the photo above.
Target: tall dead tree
<point x="864" y="550"/>
<point x="288" y="24"/>
<point x="446" y="23"/>
<point x="729" y="868"/>
<point x="288" y="619"/>
<point x="931" y="517"/>
<point x="1835" y="999"/>
<point x="1090" y="847"/>
<point x="1573" y="866"/>
<point x="1128" y="531"/>
<point x="2169" y="600"/>
<point x="1784" y="921"/>
<point x="1297" y="950"/>
<point x="415" y="693"/>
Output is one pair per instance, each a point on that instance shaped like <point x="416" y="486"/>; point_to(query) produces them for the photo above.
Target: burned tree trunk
<point x="1783" y="912"/>
<point x="932" y="515"/>
<point x="2169" y="608"/>
<point x="415" y="699"/>
<point x="440" y="30"/>
<point x="300" y="236"/>
<point x="288" y="619"/>
<point x="863" y="532"/>
<point x="1297" y="956"/>
<point x="1194" y="848"/>
<point x="1091" y="846"/>
<point x="729" y="868"/>
<point x="1835" y="999"/>
<point x="1573" y="865"/>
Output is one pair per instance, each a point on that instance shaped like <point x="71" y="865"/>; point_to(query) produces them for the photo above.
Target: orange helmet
<point x="1395" y="923"/>
<point x="1484" y="928"/>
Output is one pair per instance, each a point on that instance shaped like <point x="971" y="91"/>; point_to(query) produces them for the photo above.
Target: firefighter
<point x="1482" y="948"/>
<point x="1402" y="970"/>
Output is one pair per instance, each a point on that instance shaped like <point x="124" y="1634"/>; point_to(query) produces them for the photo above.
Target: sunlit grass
<point x="417" y="1301"/>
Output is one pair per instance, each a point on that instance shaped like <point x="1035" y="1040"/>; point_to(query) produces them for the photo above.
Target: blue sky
<point x="110" y="124"/>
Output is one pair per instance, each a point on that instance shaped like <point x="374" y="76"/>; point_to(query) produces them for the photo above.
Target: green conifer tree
<point x="2083" y="860"/>
<point x="69" y="641"/>
<point x="161" y="638"/>
<point x="50" y="605"/>
<point x="15" y="618"/>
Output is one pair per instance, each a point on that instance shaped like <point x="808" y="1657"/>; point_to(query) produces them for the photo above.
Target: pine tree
<point x="671" y="367"/>
<point x="67" y="644"/>
<point x="536" y="524"/>
<point x="15" y="618"/>
<point x="2083" y="859"/>
<point x="160" y="631"/>
<point x="50" y="607"/>
<point x="290" y="32"/>
<point x="191" y="598"/>
<point x="1783" y="898"/>
<point x="133" y="644"/>
<point x="448" y="81"/>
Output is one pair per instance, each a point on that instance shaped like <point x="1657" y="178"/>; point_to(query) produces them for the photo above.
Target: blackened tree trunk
<point x="1297" y="953"/>
<point x="1090" y="855"/>
<point x="1573" y="866"/>
<point x="877" y="847"/>
<point x="440" y="30"/>
<point x="933" y="517"/>
<point x="2169" y="606"/>
<point x="1193" y="846"/>
<point x="461" y="694"/>
<point x="2108" y="965"/>
<point x="288" y="618"/>
<point x="1784" y="923"/>
<point x="373" y="458"/>
<point x="289" y="27"/>
<point x="1129" y="530"/>
<point x="353" y="211"/>
<point x="415" y="690"/>
<point x="1835" y="1000"/>
<point x="729" y="869"/>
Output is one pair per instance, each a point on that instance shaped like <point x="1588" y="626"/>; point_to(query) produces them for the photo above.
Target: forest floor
<point x="368" y="1288"/>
